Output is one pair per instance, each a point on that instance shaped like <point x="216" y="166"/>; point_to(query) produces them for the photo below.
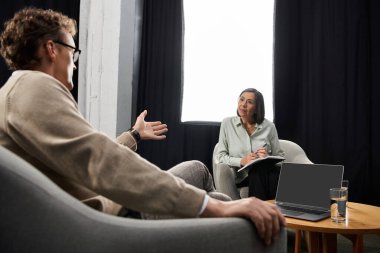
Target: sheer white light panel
<point x="228" y="47"/>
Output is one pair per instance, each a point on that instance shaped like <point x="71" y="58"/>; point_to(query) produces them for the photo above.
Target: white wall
<point x="108" y="43"/>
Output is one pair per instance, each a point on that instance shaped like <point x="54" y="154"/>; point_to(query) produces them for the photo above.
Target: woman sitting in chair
<point x="244" y="138"/>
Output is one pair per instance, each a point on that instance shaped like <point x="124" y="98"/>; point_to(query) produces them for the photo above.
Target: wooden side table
<point x="322" y="235"/>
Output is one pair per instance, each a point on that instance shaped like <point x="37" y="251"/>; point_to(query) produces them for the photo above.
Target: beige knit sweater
<point x="40" y="121"/>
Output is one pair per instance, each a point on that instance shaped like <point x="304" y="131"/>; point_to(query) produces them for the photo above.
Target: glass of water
<point x="344" y="185"/>
<point x="338" y="200"/>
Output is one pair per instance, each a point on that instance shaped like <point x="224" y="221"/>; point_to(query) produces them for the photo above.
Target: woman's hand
<point x="261" y="152"/>
<point x="248" y="158"/>
<point x="154" y="130"/>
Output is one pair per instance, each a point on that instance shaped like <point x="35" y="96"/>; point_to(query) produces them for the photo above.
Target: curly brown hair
<point x="24" y="33"/>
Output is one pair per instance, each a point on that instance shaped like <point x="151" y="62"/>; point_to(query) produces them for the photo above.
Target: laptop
<point x="303" y="189"/>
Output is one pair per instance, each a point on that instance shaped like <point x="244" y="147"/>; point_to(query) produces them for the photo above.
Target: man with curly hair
<point x="40" y="122"/>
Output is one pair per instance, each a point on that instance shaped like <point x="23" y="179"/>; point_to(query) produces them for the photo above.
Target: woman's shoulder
<point x="267" y="123"/>
<point x="230" y="120"/>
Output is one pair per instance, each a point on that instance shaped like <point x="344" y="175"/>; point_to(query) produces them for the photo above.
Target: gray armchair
<point x="224" y="175"/>
<point x="37" y="216"/>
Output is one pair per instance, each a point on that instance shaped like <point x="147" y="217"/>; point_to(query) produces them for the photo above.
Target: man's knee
<point x="193" y="172"/>
<point x="197" y="167"/>
<point x="193" y="164"/>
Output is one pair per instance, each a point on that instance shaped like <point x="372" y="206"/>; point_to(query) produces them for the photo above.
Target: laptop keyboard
<point x="291" y="210"/>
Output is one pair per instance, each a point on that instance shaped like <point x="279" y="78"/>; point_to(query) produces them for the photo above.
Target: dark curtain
<point x="160" y="88"/>
<point x="8" y="9"/>
<point x="326" y="84"/>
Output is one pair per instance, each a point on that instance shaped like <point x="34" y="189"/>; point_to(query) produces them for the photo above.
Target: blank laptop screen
<point x="308" y="184"/>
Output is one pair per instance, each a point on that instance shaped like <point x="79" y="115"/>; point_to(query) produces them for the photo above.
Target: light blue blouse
<point x="235" y="143"/>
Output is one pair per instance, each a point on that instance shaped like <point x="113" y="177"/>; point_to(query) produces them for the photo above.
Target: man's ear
<point x="51" y="50"/>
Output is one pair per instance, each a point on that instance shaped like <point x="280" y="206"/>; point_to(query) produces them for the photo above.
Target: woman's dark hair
<point x="259" y="115"/>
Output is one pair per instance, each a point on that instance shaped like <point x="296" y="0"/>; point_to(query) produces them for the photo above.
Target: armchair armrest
<point x="38" y="216"/>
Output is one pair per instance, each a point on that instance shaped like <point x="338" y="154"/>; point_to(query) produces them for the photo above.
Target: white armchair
<point x="224" y="176"/>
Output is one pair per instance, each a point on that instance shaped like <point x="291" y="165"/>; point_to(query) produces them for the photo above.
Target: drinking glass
<point x="338" y="200"/>
<point x="344" y="185"/>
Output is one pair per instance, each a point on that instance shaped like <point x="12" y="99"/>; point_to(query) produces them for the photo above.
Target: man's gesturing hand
<point x="154" y="130"/>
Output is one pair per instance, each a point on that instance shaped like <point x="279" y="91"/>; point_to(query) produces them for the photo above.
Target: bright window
<point x="228" y="47"/>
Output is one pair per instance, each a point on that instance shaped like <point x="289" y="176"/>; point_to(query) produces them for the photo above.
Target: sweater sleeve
<point x="44" y="120"/>
<point x="127" y="139"/>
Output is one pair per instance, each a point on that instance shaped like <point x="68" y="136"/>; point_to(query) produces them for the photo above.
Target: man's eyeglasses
<point x="76" y="53"/>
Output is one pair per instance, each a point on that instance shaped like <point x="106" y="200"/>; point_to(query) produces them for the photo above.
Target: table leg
<point x="357" y="242"/>
<point x="314" y="242"/>
<point x="298" y="241"/>
<point x="329" y="243"/>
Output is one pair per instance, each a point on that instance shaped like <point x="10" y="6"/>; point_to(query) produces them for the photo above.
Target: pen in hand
<point x="256" y="153"/>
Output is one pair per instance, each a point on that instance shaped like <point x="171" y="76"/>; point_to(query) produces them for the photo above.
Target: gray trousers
<point x="196" y="174"/>
<point x="225" y="180"/>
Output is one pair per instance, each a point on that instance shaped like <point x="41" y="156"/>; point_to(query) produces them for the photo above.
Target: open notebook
<point x="303" y="189"/>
